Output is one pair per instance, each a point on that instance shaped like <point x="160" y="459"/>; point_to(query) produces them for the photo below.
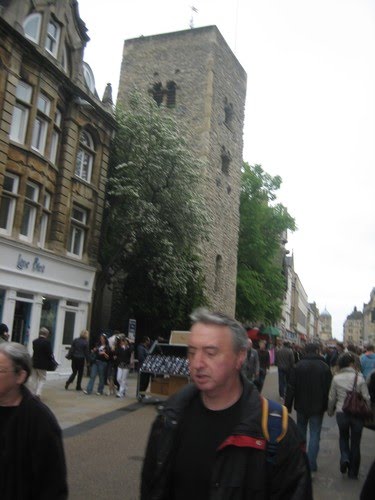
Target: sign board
<point x="132" y="329"/>
<point x="179" y="337"/>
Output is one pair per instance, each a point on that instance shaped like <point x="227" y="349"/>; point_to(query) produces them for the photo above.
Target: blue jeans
<point x="350" y="440"/>
<point x="97" y="368"/>
<point x="315" y="426"/>
<point x="283" y="382"/>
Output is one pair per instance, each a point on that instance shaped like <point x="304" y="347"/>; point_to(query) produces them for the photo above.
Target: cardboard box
<point x="166" y="386"/>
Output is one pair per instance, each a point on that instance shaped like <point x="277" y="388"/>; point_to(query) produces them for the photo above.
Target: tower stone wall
<point x="196" y="76"/>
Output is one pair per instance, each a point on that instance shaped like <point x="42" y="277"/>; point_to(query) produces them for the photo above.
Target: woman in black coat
<point x="78" y="353"/>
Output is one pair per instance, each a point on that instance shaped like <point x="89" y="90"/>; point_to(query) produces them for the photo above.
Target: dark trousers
<point x="77" y="367"/>
<point x="144" y="379"/>
<point x="350" y="429"/>
<point x="283" y="381"/>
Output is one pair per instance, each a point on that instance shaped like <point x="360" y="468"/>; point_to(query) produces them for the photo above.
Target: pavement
<point x="105" y="435"/>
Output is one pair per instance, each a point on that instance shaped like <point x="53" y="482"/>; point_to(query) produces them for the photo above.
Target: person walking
<point x="264" y="364"/>
<point x="207" y="441"/>
<point x="251" y="364"/>
<point x="42" y="356"/>
<point x="284" y="360"/>
<point x="350" y="427"/>
<point x="368" y="361"/>
<point x="122" y="355"/>
<point x="32" y="460"/>
<point x="308" y="387"/>
<point x="79" y="352"/>
<point x="144" y="378"/>
<point x="99" y="367"/>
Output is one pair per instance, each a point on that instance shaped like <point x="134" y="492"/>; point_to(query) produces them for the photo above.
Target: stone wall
<point x="209" y="105"/>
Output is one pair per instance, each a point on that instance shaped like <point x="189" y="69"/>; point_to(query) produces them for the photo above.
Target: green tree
<point x="260" y="279"/>
<point x="154" y="219"/>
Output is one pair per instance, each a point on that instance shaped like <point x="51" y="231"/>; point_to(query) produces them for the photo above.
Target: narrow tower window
<point x="157" y="93"/>
<point x="225" y="160"/>
<point x="171" y="94"/>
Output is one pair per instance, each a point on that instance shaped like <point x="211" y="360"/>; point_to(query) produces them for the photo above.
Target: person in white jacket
<point x="350" y="427"/>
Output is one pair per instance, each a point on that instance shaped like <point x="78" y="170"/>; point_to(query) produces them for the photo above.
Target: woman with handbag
<point x="78" y="353"/>
<point x="99" y="367"/>
<point x="350" y="426"/>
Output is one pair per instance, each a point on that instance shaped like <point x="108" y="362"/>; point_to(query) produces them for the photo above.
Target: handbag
<point x="52" y="364"/>
<point x="355" y="404"/>
<point x="69" y="355"/>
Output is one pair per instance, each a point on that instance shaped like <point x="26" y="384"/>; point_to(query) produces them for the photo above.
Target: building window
<point x="225" y="160"/>
<point x="55" y="137"/>
<point x="171" y="94"/>
<point x="218" y="273"/>
<point x="8" y="203"/>
<point x="89" y="77"/>
<point x="29" y="212"/>
<point x="20" y="114"/>
<point x="85" y="156"/>
<point x="228" y="113"/>
<point x="52" y="38"/>
<point x="38" y="141"/>
<point x="44" y="219"/>
<point x="31" y="27"/>
<point x="77" y="232"/>
<point x="65" y="59"/>
<point x="157" y="93"/>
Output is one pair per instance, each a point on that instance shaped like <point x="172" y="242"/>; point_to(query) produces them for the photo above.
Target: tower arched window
<point x="85" y="156"/>
<point x="228" y="113"/>
<point x="226" y="158"/>
<point x="157" y="93"/>
<point x="171" y="94"/>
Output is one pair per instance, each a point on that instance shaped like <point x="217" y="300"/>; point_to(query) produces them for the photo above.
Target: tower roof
<point x="325" y="313"/>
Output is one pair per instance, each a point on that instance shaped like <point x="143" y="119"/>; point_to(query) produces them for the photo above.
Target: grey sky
<point x="310" y="117"/>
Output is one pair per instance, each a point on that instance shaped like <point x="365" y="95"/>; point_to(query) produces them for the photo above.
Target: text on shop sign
<point x="36" y="267"/>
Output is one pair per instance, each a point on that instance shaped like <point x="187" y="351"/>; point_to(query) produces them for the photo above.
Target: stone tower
<point x="326" y="326"/>
<point x="195" y="74"/>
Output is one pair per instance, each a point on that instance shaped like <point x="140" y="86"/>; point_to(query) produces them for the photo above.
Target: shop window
<point x="29" y="212"/>
<point x="69" y="324"/>
<point x="20" y="114"/>
<point x="38" y="141"/>
<point x="49" y="315"/>
<point x="52" y="38"/>
<point x="31" y="27"/>
<point x="8" y="203"/>
<point x="77" y="232"/>
<point x="85" y="156"/>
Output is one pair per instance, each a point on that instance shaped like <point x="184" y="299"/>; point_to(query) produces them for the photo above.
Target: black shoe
<point x="344" y="467"/>
<point x="78" y="388"/>
<point x="66" y="386"/>
<point x="352" y="476"/>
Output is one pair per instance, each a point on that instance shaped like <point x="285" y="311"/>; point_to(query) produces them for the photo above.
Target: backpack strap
<point x="274" y="426"/>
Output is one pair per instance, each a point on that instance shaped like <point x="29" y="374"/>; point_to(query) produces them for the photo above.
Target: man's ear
<point x="241" y="358"/>
<point x="21" y="377"/>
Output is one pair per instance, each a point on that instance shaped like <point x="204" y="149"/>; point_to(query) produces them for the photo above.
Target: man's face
<point x="9" y="379"/>
<point x="213" y="363"/>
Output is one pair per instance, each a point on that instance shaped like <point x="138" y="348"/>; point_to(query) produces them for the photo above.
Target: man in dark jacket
<point x="284" y="360"/>
<point x="32" y="460"/>
<point x="42" y="357"/>
<point x="308" y="387"/>
<point x="207" y="442"/>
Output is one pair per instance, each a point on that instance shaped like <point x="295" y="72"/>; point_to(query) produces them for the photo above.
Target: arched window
<point x="31" y="27"/>
<point x="157" y="93"/>
<point x="85" y="156"/>
<point x="89" y="77"/>
<point x="171" y="94"/>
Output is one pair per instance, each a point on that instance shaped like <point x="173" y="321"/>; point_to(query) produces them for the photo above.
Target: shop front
<point x="39" y="289"/>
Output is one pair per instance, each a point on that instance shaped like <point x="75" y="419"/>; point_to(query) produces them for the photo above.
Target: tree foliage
<point x="260" y="278"/>
<point x="154" y="217"/>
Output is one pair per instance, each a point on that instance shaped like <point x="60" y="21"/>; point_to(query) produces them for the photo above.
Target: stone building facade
<point x="55" y="136"/>
<point x="195" y="75"/>
<point x="369" y="320"/>
<point x="326" y="326"/>
<point x="353" y="328"/>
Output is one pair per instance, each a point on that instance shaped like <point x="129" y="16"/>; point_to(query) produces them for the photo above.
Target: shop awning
<point x="271" y="330"/>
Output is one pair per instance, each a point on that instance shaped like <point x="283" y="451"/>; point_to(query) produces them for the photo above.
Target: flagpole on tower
<point x="193" y="10"/>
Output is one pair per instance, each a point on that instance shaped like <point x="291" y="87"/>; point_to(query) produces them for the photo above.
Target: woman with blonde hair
<point x="78" y="353"/>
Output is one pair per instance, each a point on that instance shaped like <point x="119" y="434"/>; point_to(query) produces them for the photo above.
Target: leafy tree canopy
<point x="260" y="279"/>
<point x="155" y="217"/>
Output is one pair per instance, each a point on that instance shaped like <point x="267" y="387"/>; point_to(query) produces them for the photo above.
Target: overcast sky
<point x="310" y="117"/>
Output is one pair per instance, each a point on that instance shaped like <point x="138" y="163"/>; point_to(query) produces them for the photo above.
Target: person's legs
<point x="41" y="376"/>
<point x="73" y="375"/>
<point x="93" y="374"/>
<point x="315" y="427"/>
<point x="356" y="426"/>
<point x="80" y="367"/>
<point x="102" y="370"/>
<point x="343" y="423"/>
<point x="282" y="382"/>
<point x="302" y="421"/>
<point x="144" y="379"/>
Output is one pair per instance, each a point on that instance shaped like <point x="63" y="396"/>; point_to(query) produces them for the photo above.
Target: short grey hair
<point x="240" y="338"/>
<point x="44" y="331"/>
<point x="18" y="355"/>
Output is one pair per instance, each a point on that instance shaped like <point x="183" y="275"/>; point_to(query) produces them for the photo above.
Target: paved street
<point x="105" y="439"/>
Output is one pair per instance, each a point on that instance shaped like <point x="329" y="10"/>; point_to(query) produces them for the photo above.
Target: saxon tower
<point x="195" y="74"/>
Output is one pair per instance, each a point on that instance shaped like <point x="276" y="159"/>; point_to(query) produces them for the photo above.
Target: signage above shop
<point x="36" y="266"/>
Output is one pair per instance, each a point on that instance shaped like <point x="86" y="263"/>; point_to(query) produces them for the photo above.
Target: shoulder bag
<point x="355" y="404"/>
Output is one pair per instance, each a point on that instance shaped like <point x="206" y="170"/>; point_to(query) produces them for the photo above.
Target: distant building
<point x="55" y="136"/>
<point x="326" y="326"/>
<point x="195" y="75"/>
<point x="313" y="323"/>
<point x="353" y="328"/>
<point x="369" y="320"/>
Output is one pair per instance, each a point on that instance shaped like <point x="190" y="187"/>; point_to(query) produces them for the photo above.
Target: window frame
<point x="18" y="126"/>
<point x="78" y="229"/>
<point x="44" y="219"/>
<point x="86" y="150"/>
<point x="38" y="16"/>
<point x="39" y="133"/>
<point x="11" y="209"/>
<point x="53" y="38"/>
<point x="30" y="204"/>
